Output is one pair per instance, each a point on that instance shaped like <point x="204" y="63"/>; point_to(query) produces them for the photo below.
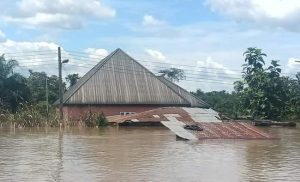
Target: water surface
<point x="144" y="154"/>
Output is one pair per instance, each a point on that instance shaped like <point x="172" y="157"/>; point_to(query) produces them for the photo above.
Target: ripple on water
<point x="146" y="154"/>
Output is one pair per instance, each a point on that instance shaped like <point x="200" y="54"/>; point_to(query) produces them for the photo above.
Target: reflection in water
<point x="57" y="171"/>
<point x="146" y="154"/>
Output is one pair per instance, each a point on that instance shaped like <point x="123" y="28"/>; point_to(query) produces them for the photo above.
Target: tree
<point x="37" y="84"/>
<point x="221" y="101"/>
<point x="13" y="89"/>
<point x="173" y="74"/>
<point x="72" y="79"/>
<point x="262" y="93"/>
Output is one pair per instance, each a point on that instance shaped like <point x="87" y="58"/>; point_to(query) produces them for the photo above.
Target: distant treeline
<point x="18" y="91"/>
<point x="261" y="93"/>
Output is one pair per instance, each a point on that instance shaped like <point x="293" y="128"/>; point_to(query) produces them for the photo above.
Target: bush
<point x="92" y="120"/>
<point x="101" y="120"/>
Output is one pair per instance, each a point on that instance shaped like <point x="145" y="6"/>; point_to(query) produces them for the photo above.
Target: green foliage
<point x="23" y="100"/>
<point x="94" y="119"/>
<point x="222" y="101"/>
<point x="13" y="89"/>
<point x="263" y="92"/>
<point x="101" y="120"/>
<point x="72" y="79"/>
<point x="36" y="82"/>
<point x="173" y="74"/>
<point x="16" y="89"/>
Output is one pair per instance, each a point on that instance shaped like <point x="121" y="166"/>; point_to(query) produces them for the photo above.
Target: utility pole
<point x="47" y="99"/>
<point x="60" y="85"/>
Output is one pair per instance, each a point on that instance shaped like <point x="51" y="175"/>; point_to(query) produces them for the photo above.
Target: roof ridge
<point x="155" y="76"/>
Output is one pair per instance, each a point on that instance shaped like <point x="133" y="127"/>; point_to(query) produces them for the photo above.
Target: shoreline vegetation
<point x="262" y="93"/>
<point x="30" y="116"/>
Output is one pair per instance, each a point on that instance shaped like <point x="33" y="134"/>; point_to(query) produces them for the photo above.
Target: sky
<point x="204" y="38"/>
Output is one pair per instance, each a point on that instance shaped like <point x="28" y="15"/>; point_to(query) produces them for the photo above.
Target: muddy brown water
<point x="144" y="154"/>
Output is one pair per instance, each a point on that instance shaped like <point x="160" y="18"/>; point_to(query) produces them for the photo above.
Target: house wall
<point x="77" y="112"/>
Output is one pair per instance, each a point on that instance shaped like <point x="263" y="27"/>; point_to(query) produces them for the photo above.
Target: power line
<point x="33" y="60"/>
<point x="96" y="59"/>
<point x="143" y="72"/>
<point x="191" y="79"/>
<point x="185" y="70"/>
<point x="29" y="52"/>
<point x="31" y="55"/>
<point x="131" y="70"/>
<point x="82" y="58"/>
<point x="28" y="66"/>
<point x="181" y="65"/>
<point x="156" y="69"/>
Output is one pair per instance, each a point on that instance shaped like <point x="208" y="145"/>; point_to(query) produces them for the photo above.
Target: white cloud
<point x="292" y="63"/>
<point x="96" y="53"/>
<point x="213" y="75"/>
<point x="217" y="68"/>
<point x="272" y="13"/>
<point x="2" y="37"/>
<point x="66" y="14"/>
<point x="156" y="54"/>
<point x="149" y="20"/>
<point x="38" y="56"/>
<point x="41" y="56"/>
<point x="292" y="66"/>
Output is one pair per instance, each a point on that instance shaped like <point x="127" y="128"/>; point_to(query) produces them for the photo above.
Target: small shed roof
<point x="119" y="79"/>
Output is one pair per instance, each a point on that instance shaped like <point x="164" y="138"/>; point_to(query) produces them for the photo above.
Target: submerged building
<point x="119" y="85"/>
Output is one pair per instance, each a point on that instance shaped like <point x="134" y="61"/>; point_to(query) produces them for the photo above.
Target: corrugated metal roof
<point x="195" y="102"/>
<point x="212" y="127"/>
<point x="119" y="79"/>
<point x="177" y="127"/>
<point x="203" y="115"/>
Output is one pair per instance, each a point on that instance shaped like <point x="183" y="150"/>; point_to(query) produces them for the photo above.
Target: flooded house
<point x="129" y="94"/>
<point x="120" y="85"/>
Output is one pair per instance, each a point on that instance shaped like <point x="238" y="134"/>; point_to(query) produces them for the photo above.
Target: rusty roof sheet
<point x="212" y="129"/>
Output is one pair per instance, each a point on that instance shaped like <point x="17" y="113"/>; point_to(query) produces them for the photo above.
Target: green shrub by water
<point x="101" y="120"/>
<point x="94" y="120"/>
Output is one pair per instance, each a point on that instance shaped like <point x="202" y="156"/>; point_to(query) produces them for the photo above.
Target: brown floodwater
<point x="144" y="154"/>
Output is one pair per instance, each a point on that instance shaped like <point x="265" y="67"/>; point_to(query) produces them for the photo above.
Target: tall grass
<point x="29" y="116"/>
